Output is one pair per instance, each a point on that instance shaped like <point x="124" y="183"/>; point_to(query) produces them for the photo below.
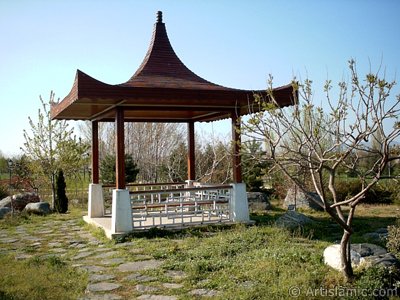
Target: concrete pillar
<point x="121" y="218"/>
<point x="239" y="205"/>
<point x="96" y="201"/>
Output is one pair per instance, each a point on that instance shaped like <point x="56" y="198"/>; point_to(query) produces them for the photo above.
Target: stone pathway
<point x="118" y="271"/>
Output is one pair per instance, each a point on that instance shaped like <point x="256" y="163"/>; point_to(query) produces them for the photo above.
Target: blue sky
<point x="232" y="43"/>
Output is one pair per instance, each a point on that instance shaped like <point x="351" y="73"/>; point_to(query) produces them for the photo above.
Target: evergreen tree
<point x="61" y="202"/>
<point x="108" y="169"/>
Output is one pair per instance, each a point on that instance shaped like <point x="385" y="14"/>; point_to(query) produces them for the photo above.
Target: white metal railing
<point x="181" y="206"/>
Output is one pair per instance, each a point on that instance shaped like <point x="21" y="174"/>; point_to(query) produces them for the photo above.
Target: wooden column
<point x="120" y="149"/>
<point x="95" y="152"/>
<point x="191" y="152"/>
<point x="237" y="168"/>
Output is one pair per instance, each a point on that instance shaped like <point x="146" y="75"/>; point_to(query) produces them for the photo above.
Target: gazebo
<point x="163" y="89"/>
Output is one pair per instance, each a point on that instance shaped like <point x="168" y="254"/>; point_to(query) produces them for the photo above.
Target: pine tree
<point x="61" y="201"/>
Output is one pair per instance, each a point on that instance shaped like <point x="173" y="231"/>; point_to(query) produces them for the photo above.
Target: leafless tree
<point x="320" y="140"/>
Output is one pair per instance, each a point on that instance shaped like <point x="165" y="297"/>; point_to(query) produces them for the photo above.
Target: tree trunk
<point x="53" y="191"/>
<point x="345" y="257"/>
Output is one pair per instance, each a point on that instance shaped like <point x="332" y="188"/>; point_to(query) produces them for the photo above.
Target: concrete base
<point x="121" y="212"/>
<point x="96" y="201"/>
<point x="239" y="205"/>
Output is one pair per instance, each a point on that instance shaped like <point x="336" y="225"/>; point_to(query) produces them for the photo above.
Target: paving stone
<point x="156" y="297"/>
<point x="124" y="245"/>
<point x="82" y="255"/>
<point x="22" y="256"/>
<point x="175" y="274"/>
<point x="44" y="231"/>
<point x="173" y="285"/>
<point x="8" y="240"/>
<point x="113" y="261"/>
<point x="37" y="244"/>
<point x="54" y="244"/>
<point x="101" y="297"/>
<point x="106" y="254"/>
<point x="102" y="287"/>
<point x="139" y="277"/>
<point x="58" y="250"/>
<point x="100" y="277"/>
<point x="204" y="292"/>
<point x="32" y="238"/>
<point x="141" y="288"/>
<point x="143" y="257"/>
<point x="140" y="265"/>
<point x="93" y="269"/>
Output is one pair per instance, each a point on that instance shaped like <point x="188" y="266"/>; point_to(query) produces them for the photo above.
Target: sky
<point x="228" y="42"/>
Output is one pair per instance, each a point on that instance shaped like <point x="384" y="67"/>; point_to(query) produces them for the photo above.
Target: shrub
<point x="3" y="192"/>
<point x="61" y="203"/>
<point x="393" y="240"/>
<point x="379" y="279"/>
<point x="378" y="194"/>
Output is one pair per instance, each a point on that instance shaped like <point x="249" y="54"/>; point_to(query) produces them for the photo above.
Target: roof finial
<point x="159" y="17"/>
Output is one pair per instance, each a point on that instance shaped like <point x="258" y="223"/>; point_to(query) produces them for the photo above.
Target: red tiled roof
<point x="162" y="89"/>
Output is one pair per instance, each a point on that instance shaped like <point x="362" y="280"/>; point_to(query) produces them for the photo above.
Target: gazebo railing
<point x="181" y="206"/>
<point x="107" y="189"/>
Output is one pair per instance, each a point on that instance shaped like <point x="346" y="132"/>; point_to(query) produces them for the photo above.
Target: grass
<point x="241" y="262"/>
<point x="39" y="278"/>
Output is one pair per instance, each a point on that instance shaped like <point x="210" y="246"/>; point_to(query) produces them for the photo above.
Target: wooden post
<point x="95" y="152"/>
<point x="120" y="149"/>
<point x="237" y="168"/>
<point x="191" y="152"/>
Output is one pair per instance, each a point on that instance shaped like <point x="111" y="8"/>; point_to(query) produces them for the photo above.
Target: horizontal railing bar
<point x="192" y="189"/>
<point x="174" y="204"/>
<point x="146" y="184"/>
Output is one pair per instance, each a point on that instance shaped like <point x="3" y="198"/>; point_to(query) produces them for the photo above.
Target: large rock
<point x="39" y="208"/>
<point x="4" y="211"/>
<point x="258" y="201"/>
<point x="292" y="219"/>
<point x="297" y="198"/>
<point x="332" y="257"/>
<point x="6" y="202"/>
<point x="361" y="254"/>
<point x="19" y="201"/>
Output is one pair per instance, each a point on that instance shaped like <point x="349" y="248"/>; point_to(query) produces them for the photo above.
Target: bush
<point x="379" y="279"/>
<point x="61" y="203"/>
<point x="3" y="192"/>
<point x="393" y="240"/>
<point x="378" y="194"/>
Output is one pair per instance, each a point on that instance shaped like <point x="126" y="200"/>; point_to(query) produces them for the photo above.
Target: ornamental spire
<point x="159" y="17"/>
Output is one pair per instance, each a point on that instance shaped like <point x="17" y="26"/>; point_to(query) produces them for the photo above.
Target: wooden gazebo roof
<point x="163" y="89"/>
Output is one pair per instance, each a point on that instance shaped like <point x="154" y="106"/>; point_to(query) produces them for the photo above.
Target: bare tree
<point x="320" y="141"/>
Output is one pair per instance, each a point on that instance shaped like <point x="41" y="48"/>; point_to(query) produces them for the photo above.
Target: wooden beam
<point x="237" y="167"/>
<point x="120" y="149"/>
<point x="95" y="152"/>
<point x="191" y="152"/>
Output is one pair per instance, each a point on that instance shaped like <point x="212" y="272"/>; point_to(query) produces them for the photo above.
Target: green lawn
<point x="241" y="262"/>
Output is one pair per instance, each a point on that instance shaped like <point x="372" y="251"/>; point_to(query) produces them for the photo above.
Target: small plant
<point x="393" y="239"/>
<point x="3" y="192"/>
<point x="61" y="203"/>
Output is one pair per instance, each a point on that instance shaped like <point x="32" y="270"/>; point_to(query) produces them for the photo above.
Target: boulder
<point x="299" y="199"/>
<point x="379" y="235"/>
<point x="258" y="201"/>
<point x="292" y="219"/>
<point x="39" y="208"/>
<point x="4" y="211"/>
<point x="19" y="201"/>
<point x="6" y="202"/>
<point x="361" y="254"/>
<point x="332" y="257"/>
